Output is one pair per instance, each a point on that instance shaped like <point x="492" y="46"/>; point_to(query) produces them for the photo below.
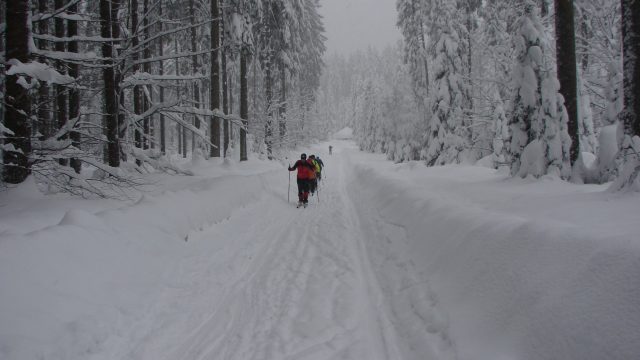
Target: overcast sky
<point x="355" y="24"/>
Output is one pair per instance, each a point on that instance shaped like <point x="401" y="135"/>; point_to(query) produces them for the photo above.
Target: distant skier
<point x="306" y="171"/>
<point x="330" y="148"/>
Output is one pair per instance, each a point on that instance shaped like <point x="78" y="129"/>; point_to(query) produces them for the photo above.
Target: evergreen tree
<point x="539" y="140"/>
<point x="449" y="138"/>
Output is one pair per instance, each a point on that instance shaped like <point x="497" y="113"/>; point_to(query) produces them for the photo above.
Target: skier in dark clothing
<point x="319" y="173"/>
<point x="315" y="175"/>
<point x="305" y="172"/>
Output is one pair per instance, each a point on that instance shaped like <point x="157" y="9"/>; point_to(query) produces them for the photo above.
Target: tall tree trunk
<point x="194" y="68"/>
<point x="215" y="78"/>
<point x="225" y="90"/>
<point x="163" y="144"/>
<point x="244" y="104"/>
<point x="18" y="105"/>
<point x="147" y="97"/>
<point x="120" y="98"/>
<point x="566" y="62"/>
<point x="74" y="93"/>
<point x="225" y="103"/>
<point x="137" y="98"/>
<point x="268" y="125"/>
<point x="282" y="109"/>
<point x="631" y="66"/>
<point x="44" y="102"/>
<point x="110" y="99"/>
<point x="182" y="133"/>
<point x="61" y="96"/>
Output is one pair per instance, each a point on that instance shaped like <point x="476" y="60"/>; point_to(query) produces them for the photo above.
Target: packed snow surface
<point x="344" y="134"/>
<point x="389" y="261"/>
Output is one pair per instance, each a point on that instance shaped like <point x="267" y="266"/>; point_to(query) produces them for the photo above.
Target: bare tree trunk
<point x="120" y="98"/>
<point x="146" y="98"/>
<point x="225" y="103"/>
<point x="137" y="99"/>
<point x="194" y="68"/>
<point x="61" y="96"/>
<point x="111" y="104"/>
<point x="74" y="93"/>
<point x="566" y="62"/>
<point x="631" y="64"/>
<point x="268" y="125"/>
<point x="282" y="109"/>
<point x="18" y="104"/>
<point x="163" y="144"/>
<point x="225" y="93"/>
<point x="215" y="78"/>
<point x="44" y="102"/>
<point x="244" y="104"/>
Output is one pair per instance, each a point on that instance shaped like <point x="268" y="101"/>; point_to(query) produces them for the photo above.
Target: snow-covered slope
<point x="390" y="261"/>
<point x="522" y="269"/>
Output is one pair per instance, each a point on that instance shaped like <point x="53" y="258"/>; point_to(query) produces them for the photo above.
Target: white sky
<point x="355" y="24"/>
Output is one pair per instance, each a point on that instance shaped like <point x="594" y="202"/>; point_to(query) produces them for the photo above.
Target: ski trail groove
<point x="276" y="282"/>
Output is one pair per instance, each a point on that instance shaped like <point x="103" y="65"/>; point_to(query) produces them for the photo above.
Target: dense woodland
<point x="95" y="92"/>
<point x="98" y="91"/>
<point x="535" y="87"/>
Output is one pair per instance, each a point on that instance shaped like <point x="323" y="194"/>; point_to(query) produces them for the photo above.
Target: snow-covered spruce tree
<point x="310" y="49"/>
<point x="16" y="130"/>
<point x="598" y="45"/>
<point x="412" y="15"/>
<point x="539" y="140"/>
<point x="449" y="137"/>
<point x="629" y="133"/>
<point x="493" y="55"/>
<point x="500" y="143"/>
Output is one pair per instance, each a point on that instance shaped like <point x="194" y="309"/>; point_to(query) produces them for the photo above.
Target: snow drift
<point x="521" y="270"/>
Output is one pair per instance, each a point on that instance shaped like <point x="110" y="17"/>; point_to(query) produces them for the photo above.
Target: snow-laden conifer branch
<point x="56" y="12"/>
<point x="87" y="39"/>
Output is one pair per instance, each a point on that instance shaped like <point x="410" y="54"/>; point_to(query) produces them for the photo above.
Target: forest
<point x="211" y="179"/>
<point x="536" y="88"/>
<point x="118" y="88"/>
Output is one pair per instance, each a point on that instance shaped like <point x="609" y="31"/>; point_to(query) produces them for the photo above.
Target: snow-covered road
<point x="393" y="261"/>
<point x="279" y="283"/>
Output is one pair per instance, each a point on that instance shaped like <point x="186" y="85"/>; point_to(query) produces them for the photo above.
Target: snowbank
<point x="72" y="279"/>
<point x="521" y="269"/>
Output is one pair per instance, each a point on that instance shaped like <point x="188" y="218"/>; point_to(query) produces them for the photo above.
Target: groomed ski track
<point x="287" y="283"/>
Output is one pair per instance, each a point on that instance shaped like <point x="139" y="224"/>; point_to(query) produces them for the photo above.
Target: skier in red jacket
<point x="305" y="172"/>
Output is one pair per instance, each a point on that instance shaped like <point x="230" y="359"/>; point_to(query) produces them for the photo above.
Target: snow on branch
<point x="90" y="56"/>
<point x="143" y="78"/>
<point x="39" y="71"/>
<point x="56" y="13"/>
<point x="94" y="39"/>
<point x="153" y="38"/>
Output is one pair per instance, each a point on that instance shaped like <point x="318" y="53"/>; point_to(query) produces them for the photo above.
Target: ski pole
<point x="289" y="187"/>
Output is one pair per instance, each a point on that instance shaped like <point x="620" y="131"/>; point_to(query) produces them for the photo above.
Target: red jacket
<point x="306" y="170"/>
